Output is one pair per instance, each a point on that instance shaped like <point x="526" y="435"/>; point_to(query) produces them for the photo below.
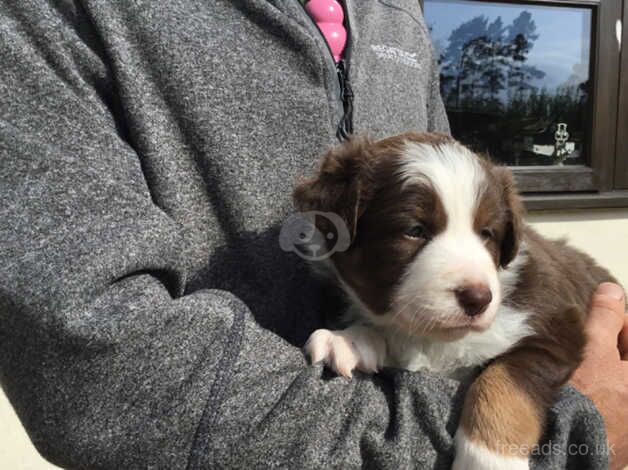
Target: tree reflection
<point x="493" y="101"/>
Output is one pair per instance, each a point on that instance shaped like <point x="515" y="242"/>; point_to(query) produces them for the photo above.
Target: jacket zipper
<point x="344" y="127"/>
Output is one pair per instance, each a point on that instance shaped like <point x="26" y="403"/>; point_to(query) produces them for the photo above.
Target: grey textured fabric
<point x="148" y="317"/>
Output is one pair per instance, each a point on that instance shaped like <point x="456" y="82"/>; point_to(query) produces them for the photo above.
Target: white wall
<point x="602" y="233"/>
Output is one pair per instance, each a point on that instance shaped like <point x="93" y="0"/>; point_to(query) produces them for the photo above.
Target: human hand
<point x="603" y="375"/>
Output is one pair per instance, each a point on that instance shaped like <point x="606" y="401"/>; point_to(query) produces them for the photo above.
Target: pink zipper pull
<point x="328" y="16"/>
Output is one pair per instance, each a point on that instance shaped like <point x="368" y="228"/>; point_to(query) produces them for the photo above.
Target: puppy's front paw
<point x="475" y="456"/>
<point x="342" y="351"/>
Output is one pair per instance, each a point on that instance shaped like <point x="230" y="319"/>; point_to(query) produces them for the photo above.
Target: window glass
<point x="515" y="78"/>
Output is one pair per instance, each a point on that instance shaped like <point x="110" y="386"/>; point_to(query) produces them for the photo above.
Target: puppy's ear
<point x="342" y="185"/>
<point x="514" y="215"/>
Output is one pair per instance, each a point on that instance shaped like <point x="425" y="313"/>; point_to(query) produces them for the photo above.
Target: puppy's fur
<point x="443" y="274"/>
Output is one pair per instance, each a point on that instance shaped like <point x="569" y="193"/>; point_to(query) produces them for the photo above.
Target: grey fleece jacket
<point x="148" y="317"/>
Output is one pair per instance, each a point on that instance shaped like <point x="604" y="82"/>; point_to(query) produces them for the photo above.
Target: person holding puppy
<point x="148" y="316"/>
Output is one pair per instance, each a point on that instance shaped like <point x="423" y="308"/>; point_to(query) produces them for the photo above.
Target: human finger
<point x="606" y="316"/>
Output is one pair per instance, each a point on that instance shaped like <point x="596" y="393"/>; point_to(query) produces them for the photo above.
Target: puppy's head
<point x="430" y="223"/>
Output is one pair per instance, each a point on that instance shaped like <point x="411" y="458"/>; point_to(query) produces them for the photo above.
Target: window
<point x="536" y="85"/>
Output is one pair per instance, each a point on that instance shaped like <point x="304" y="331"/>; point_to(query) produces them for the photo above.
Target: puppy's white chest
<point x="453" y="357"/>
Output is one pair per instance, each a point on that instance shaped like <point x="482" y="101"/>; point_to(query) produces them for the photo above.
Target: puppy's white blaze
<point x="454" y="173"/>
<point x="457" y="256"/>
<point x="475" y="456"/>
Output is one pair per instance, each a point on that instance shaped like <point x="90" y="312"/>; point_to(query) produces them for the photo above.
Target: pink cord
<point x="328" y="16"/>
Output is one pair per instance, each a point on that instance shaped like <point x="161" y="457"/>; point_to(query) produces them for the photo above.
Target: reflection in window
<point x="515" y="78"/>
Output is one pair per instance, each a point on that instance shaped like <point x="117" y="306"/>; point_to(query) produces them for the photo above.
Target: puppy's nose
<point x="474" y="299"/>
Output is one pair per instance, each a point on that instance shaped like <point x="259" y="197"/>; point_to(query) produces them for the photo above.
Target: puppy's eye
<point x="417" y="231"/>
<point x="487" y="234"/>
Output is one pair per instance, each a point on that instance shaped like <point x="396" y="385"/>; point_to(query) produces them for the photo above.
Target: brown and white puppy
<point x="442" y="274"/>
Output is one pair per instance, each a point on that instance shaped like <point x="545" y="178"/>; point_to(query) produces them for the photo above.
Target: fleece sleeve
<point x="107" y="364"/>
